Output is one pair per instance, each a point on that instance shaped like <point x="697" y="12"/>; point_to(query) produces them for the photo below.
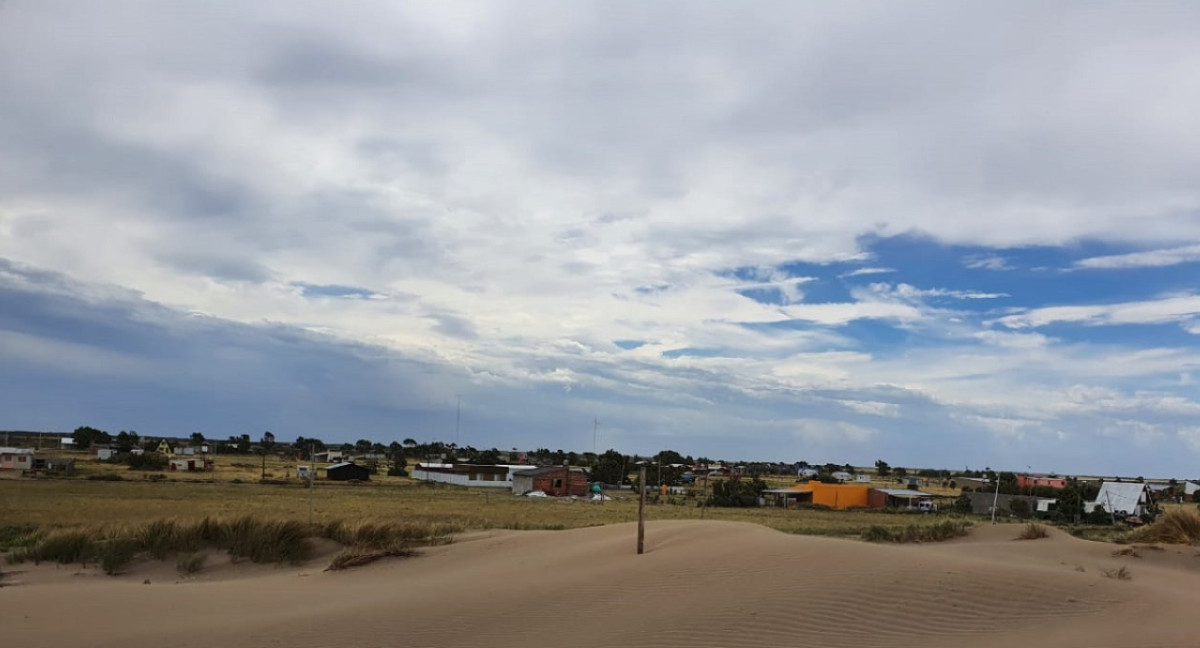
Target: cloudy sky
<point x="940" y="234"/>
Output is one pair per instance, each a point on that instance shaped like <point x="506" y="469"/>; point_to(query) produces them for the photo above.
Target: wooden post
<point x="641" y="510"/>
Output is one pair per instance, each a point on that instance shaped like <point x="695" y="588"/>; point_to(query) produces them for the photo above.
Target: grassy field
<point x="68" y="503"/>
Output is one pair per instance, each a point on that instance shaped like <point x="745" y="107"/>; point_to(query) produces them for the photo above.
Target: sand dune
<point x="700" y="583"/>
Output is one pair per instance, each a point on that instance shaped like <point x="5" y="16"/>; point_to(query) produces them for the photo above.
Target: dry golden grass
<point x="72" y="503"/>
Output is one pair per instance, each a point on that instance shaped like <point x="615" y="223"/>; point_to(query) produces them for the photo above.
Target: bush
<point x="1099" y="516"/>
<point x="936" y="532"/>
<point x="736" y="492"/>
<point x="146" y="461"/>
<point x="1033" y="531"/>
<point x="396" y="471"/>
<point x="1019" y="508"/>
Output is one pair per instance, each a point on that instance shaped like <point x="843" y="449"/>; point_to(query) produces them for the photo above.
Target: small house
<point x="16" y="458"/>
<point x="163" y="447"/>
<point x="303" y="472"/>
<point x="841" y="476"/>
<point x="896" y="498"/>
<point x="551" y="480"/>
<point x="347" y="471"/>
<point x="1122" y="498"/>
<point x="329" y="456"/>
<point x="1044" y="481"/>
<point x="104" y="453"/>
<point x="190" y="464"/>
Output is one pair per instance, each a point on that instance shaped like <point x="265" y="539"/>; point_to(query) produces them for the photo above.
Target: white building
<point x="487" y="476"/>
<point x="1122" y="497"/>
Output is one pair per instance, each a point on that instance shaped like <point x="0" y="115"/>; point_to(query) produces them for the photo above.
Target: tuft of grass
<point x="1127" y="551"/>
<point x="1033" y="531"/>
<point x="268" y="541"/>
<point x="160" y="538"/>
<point x="936" y="532"/>
<point x="116" y="554"/>
<point x="17" y="535"/>
<point x="359" y="556"/>
<point x="190" y="563"/>
<point x="1122" y="573"/>
<point x="1177" y="526"/>
<point x="63" y="547"/>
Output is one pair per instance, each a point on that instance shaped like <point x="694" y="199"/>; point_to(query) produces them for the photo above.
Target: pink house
<point x="16" y="458"/>
<point x="1027" y="481"/>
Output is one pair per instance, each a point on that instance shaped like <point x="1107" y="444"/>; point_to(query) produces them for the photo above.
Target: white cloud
<point x="1157" y="311"/>
<point x="527" y="187"/>
<point x="987" y="262"/>
<point x="827" y="433"/>
<point x="867" y="271"/>
<point x="1147" y="259"/>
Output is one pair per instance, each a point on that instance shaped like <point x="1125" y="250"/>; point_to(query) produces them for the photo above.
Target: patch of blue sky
<point x="694" y="353"/>
<point x="332" y="290"/>
<point x="629" y="345"/>
<point x="1032" y="276"/>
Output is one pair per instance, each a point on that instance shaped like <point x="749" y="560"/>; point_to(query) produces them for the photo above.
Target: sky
<point x="940" y="234"/>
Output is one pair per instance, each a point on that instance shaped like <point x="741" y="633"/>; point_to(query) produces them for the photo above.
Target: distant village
<point x="545" y="473"/>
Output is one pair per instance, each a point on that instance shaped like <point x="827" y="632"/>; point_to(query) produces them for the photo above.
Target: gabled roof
<point x="901" y="492"/>
<point x="545" y="470"/>
<point x="28" y="451"/>
<point x="341" y="465"/>
<point x="1120" y="496"/>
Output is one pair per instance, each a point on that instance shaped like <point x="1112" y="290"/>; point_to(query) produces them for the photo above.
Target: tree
<point x="410" y="443"/>
<point x="197" y="437"/>
<point x="1019" y="508"/>
<point x="900" y="472"/>
<point x="267" y="441"/>
<point x="85" y="436"/>
<point x="1070" y="501"/>
<point x="882" y="468"/>
<point x="963" y="504"/>
<point x="610" y="468"/>
<point x="736" y="491"/>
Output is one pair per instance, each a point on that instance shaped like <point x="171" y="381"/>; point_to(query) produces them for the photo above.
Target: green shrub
<point x="1099" y="516"/>
<point x="936" y="532"/>
<point x="146" y="461"/>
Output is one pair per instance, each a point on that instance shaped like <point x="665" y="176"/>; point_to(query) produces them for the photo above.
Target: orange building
<point x="838" y="496"/>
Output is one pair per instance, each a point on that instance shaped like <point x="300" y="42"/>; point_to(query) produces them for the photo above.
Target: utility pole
<point x="457" y="420"/>
<point x="595" y="426"/>
<point x="996" y="498"/>
<point x="641" y="509"/>
<point x="312" y="469"/>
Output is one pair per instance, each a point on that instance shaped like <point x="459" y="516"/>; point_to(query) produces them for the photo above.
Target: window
<point x="558" y="483"/>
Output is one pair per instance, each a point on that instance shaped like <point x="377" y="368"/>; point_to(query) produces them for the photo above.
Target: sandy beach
<point x="700" y="583"/>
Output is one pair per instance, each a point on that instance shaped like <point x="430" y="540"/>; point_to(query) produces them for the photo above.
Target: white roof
<point x="1190" y="487"/>
<point x="16" y="450"/>
<point x="1121" y="496"/>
